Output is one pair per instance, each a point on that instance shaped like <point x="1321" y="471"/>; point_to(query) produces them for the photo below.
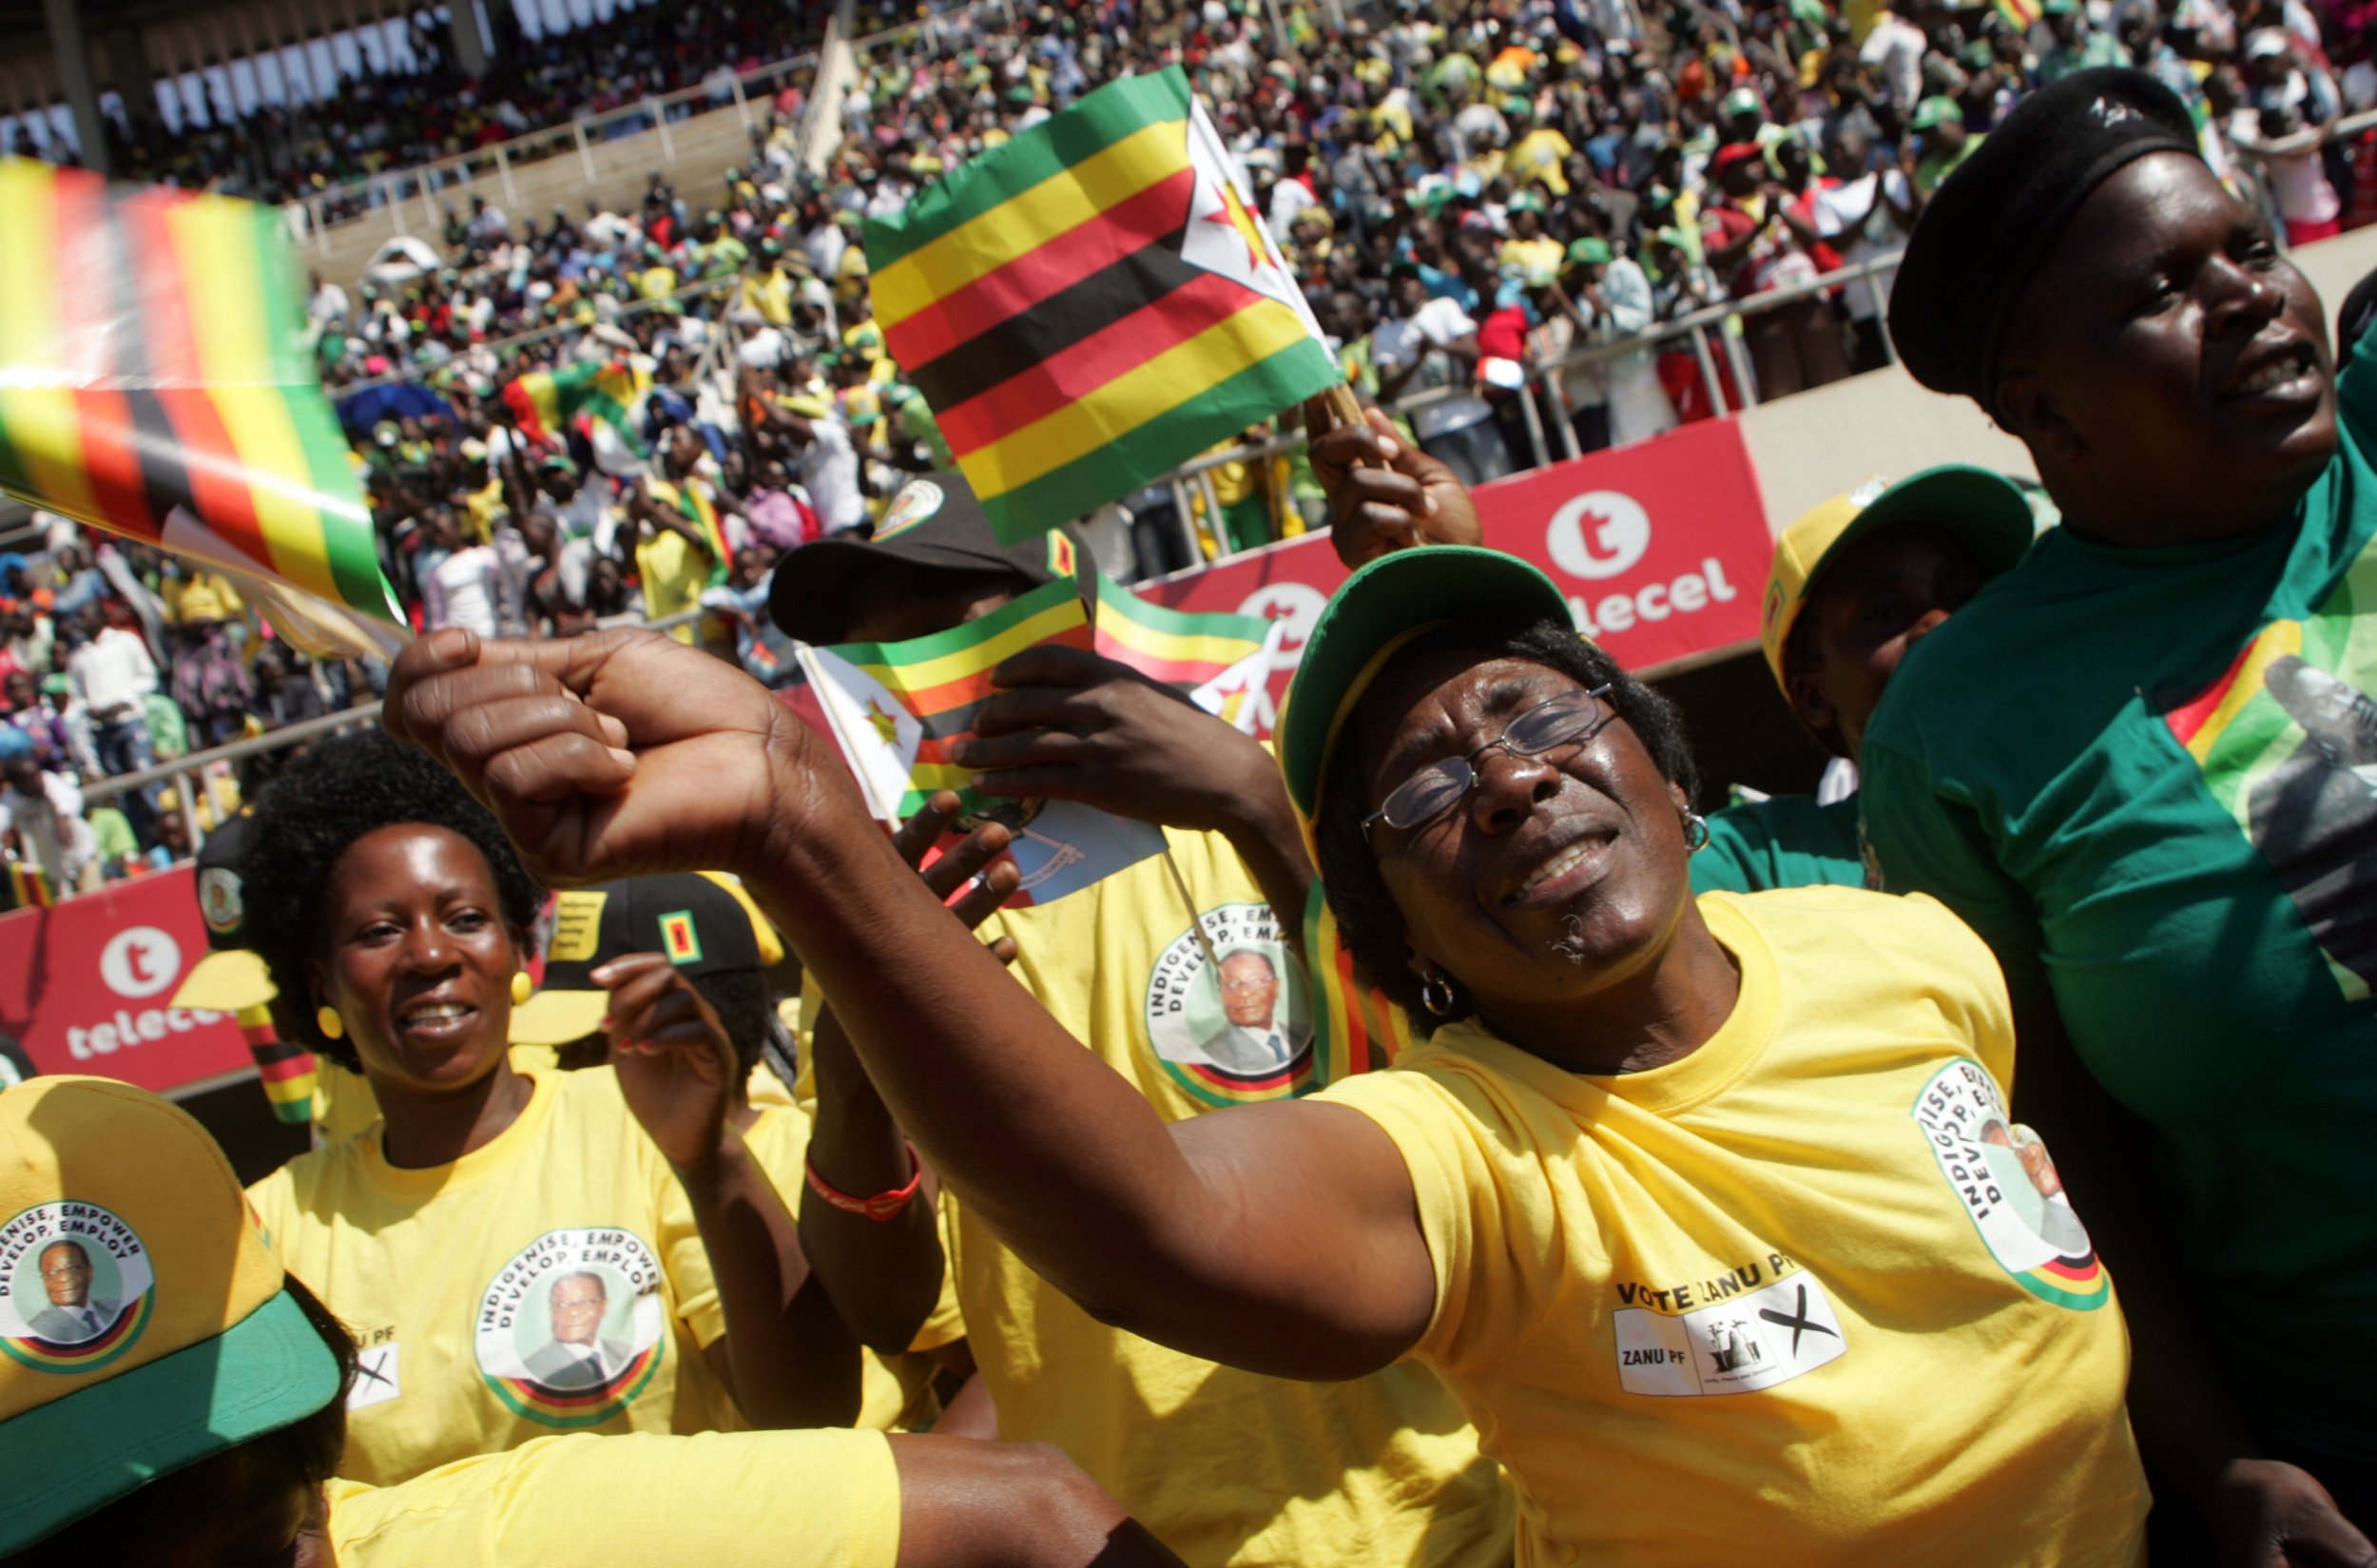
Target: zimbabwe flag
<point x="895" y="709"/>
<point x="155" y="381"/>
<point x="545" y="401"/>
<point x="1090" y="304"/>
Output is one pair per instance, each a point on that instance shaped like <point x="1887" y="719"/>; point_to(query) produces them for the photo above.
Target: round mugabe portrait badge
<point x="1230" y="1016"/>
<point x="573" y="1327"/>
<point x="2001" y="1172"/>
<point x="76" y="1288"/>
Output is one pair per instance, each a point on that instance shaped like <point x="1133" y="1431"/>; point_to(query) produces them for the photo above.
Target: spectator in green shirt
<point x="1857" y="582"/>
<point x="2134" y="764"/>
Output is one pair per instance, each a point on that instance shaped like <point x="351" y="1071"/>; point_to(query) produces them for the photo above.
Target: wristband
<point x="884" y="1205"/>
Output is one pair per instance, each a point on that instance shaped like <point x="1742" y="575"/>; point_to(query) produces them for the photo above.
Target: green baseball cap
<point x="1741" y="100"/>
<point x="1937" y="111"/>
<point x="1374" y="613"/>
<point x="1593" y="250"/>
<point x="163" y="1334"/>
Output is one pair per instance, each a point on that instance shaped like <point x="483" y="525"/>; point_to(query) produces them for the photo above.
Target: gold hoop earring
<point x="520" y="987"/>
<point x="326" y="1019"/>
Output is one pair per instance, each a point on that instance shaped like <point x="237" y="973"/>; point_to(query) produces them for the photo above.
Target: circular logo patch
<point x="917" y="502"/>
<point x="2001" y="1174"/>
<point x="76" y="1288"/>
<point x="218" y="899"/>
<point x="573" y="1327"/>
<point x="1244" y="1032"/>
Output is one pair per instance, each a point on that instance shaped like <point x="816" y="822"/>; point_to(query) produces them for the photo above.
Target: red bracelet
<point x="884" y="1205"/>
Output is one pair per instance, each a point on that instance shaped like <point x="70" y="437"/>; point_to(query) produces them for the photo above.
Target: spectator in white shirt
<point x="467" y="588"/>
<point x="44" y="810"/>
<point x="113" y="674"/>
<point x="1429" y="343"/>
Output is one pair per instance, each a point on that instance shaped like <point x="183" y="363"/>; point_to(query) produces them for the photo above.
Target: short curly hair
<point x="340" y="790"/>
<point x="1368" y="920"/>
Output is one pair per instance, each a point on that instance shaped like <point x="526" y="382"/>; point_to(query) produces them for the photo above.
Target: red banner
<point x="1662" y="549"/>
<point x="86" y="986"/>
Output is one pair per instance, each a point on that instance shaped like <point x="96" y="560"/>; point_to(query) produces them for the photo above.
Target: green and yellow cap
<point x="1370" y="618"/>
<point x="146" y="1324"/>
<point x="1980" y="505"/>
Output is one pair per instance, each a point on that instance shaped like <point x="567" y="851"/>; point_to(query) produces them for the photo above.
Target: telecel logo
<point x="1598" y="534"/>
<point x="1605" y="534"/>
<point x="1297" y="603"/>
<point x="139" y="961"/>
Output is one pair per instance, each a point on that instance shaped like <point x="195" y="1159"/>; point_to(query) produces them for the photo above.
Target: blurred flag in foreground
<point x="546" y="402"/>
<point x="895" y="708"/>
<point x="1092" y="303"/>
<point x="154" y="380"/>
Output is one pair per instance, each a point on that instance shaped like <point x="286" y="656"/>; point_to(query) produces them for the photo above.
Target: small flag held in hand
<point x="1092" y="303"/>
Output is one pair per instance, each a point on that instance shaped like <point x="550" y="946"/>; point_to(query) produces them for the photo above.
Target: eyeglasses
<point x="1439" y="787"/>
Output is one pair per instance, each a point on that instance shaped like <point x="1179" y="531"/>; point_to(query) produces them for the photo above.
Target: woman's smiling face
<point x="419" y="960"/>
<point x="1556" y="875"/>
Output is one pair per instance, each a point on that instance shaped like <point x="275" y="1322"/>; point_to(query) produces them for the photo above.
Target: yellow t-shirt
<point x="1541" y="154"/>
<point x="1223" y="1465"/>
<point x="674" y="575"/>
<point x="1803" y="1288"/>
<point x="770" y="294"/>
<point x="896" y="1393"/>
<point x="343" y="1105"/>
<point x="745" y="1499"/>
<point x="448" y="1278"/>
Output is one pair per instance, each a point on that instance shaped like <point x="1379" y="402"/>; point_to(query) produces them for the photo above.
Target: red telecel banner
<point x="86" y="986"/>
<point x="1661" y="548"/>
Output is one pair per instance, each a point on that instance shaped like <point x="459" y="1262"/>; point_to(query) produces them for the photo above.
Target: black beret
<point x="1992" y="221"/>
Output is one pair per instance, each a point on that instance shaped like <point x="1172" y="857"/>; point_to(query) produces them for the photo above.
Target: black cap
<point x="1993" y="220"/>
<point x="701" y="921"/>
<point x="934" y="524"/>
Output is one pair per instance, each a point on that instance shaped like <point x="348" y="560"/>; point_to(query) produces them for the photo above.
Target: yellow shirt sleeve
<point x="825" y="1499"/>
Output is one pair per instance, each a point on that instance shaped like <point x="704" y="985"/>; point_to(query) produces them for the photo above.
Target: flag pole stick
<point x="1196" y="920"/>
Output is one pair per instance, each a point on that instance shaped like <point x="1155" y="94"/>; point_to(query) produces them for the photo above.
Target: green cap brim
<point x="1387" y="602"/>
<point x="225" y="982"/>
<point x="74" y="1456"/>
<point x="1984" y="509"/>
<point x="556" y="1018"/>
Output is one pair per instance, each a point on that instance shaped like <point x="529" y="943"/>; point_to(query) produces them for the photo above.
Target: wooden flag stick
<point x="1196" y="920"/>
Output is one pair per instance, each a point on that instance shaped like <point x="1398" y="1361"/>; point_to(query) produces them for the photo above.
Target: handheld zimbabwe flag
<point x="544" y="402"/>
<point x="154" y="380"/>
<point x="1092" y="304"/>
<point x="895" y="708"/>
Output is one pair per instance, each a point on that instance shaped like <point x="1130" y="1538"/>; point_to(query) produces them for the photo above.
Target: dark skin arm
<point x="886" y="1275"/>
<point x="785" y="1355"/>
<point x="2261" y="1513"/>
<point x="1069" y="726"/>
<point x="627" y="753"/>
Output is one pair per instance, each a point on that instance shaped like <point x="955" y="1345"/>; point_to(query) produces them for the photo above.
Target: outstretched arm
<point x="625" y="753"/>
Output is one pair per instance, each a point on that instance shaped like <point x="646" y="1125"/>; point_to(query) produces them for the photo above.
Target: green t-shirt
<point x="1787" y="841"/>
<point x="2148" y="779"/>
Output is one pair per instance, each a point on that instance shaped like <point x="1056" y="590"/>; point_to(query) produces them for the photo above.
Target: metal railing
<point x="1712" y="330"/>
<point x="494" y="166"/>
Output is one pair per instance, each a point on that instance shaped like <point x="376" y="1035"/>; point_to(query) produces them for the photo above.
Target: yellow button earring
<point x="520" y="987"/>
<point x="326" y="1019"/>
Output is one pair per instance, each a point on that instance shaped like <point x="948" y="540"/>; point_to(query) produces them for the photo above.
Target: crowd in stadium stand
<point x="1470" y="194"/>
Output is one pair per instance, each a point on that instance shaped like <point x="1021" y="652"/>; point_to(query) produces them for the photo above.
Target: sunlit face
<point x="1556" y="875"/>
<point x="2167" y="361"/>
<point x="417" y="960"/>
<point x="1250" y="990"/>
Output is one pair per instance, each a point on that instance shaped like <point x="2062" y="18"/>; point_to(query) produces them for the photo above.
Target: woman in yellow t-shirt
<point x="1711" y="1212"/>
<point x="510" y="1249"/>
